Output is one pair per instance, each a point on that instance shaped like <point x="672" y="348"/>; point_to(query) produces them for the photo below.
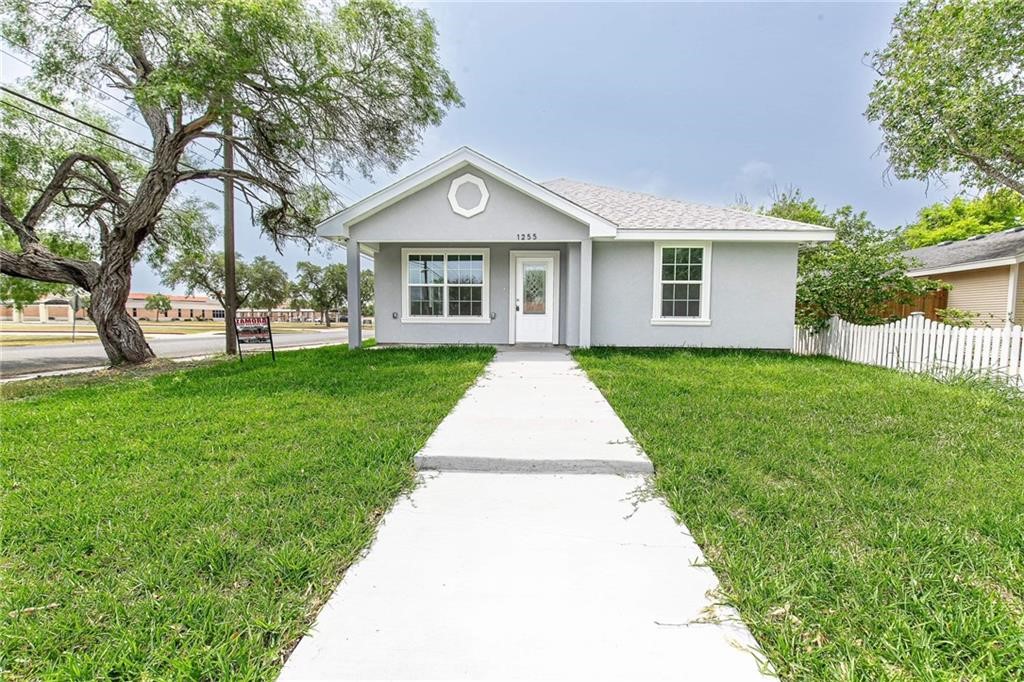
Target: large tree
<point x="950" y="91"/>
<point x="962" y="218"/>
<point x="309" y="90"/>
<point x="853" y="277"/>
<point x="262" y="284"/>
<point x="325" y="288"/>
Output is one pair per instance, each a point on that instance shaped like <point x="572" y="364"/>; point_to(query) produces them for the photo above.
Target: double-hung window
<point x="681" y="280"/>
<point x="448" y="285"/>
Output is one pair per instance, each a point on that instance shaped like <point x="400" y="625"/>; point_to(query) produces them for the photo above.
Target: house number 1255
<point x="526" y="236"/>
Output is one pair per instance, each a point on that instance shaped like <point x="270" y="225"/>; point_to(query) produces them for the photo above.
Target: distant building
<point x="984" y="272"/>
<point x="58" y="309"/>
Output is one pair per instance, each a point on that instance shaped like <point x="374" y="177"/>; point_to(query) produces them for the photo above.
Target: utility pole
<point x="230" y="291"/>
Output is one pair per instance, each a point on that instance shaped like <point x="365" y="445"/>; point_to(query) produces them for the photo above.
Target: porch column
<point x="355" y="325"/>
<point x="586" y="254"/>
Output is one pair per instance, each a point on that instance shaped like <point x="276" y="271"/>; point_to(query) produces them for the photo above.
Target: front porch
<point x="495" y="293"/>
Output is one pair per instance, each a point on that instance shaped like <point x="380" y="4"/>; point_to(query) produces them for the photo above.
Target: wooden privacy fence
<point x="917" y="344"/>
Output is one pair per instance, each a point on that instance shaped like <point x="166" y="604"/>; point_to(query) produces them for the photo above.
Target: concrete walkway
<point x="488" y="572"/>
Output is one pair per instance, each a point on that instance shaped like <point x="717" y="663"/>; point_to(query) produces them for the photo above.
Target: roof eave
<point x="968" y="265"/>
<point x="337" y="226"/>
<point x="797" y="236"/>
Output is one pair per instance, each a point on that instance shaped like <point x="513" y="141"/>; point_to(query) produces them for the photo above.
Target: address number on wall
<point x="526" y="236"/>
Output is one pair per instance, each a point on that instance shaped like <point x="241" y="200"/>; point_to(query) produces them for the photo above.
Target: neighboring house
<point x="984" y="271"/>
<point x="469" y="251"/>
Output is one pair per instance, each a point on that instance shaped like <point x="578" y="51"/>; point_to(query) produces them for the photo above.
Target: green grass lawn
<point x="190" y="524"/>
<point x="867" y="524"/>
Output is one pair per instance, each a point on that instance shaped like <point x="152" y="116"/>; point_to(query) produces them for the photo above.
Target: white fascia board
<point x="338" y="224"/>
<point x="960" y="267"/>
<point x="727" y="235"/>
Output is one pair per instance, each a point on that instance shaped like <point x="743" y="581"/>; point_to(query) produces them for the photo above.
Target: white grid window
<point x="445" y="285"/>
<point x="681" y="276"/>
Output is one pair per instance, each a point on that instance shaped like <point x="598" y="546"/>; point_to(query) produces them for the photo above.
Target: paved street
<point x="45" y="358"/>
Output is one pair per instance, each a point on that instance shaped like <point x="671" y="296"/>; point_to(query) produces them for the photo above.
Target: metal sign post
<point x="74" y="314"/>
<point x="254" y="330"/>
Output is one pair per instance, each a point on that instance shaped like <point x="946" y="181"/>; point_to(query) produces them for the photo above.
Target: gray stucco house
<point x="468" y="251"/>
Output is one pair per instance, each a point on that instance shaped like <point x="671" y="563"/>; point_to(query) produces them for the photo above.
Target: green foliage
<point x="856" y="275"/>
<point x="190" y="525"/>
<point x="324" y="288"/>
<point x="956" y="317"/>
<point x="262" y="284"/>
<point x="366" y="291"/>
<point x="312" y="89"/>
<point x="266" y="284"/>
<point x="21" y="292"/>
<point x="962" y="218"/>
<point x="865" y="523"/>
<point x="948" y="96"/>
<point x="159" y="303"/>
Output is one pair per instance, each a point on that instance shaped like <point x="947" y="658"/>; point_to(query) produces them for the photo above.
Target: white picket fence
<point x="917" y="344"/>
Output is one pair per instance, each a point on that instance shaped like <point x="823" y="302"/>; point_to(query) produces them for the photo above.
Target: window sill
<point x="681" y="321"/>
<point x="446" y="320"/>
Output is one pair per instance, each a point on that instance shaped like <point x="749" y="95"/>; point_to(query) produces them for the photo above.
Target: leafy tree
<point x="262" y="284"/>
<point x="948" y="96"/>
<point x="366" y="291"/>
<point x="855" y="276"/>
<point x="266" y="284"/>
<point x="309" y="91"/>
<point x="29" y="148"/>
<point x="159" y="303"/>
<point x="962" y="218"/>
<point x="325" y="288"/>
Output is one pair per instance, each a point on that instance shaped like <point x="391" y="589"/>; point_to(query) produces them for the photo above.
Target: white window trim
<point x="485" y="308"/>
<point x="705" y="286"/>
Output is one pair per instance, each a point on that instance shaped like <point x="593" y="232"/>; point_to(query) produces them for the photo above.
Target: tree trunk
<point x="121" y="336"/>
<point x="327" y="318"/>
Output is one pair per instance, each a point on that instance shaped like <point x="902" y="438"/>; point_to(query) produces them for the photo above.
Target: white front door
<point x="535" y="299"/>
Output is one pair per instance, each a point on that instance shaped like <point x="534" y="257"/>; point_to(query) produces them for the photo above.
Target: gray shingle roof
<point x="987" y="247"/>
<point x="639" y="211"/>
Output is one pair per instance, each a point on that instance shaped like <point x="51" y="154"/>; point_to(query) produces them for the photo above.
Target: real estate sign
<point x="254" y="330"/>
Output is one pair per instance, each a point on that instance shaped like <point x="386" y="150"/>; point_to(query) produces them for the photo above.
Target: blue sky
<point x="703" y="102"/>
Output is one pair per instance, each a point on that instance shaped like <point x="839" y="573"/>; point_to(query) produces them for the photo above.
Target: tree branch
<point x="26" y="236"/>
<point x="59" y="181"/>
<point x="41" y="265"/>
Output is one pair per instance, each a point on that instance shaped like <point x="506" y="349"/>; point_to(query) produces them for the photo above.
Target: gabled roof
<point x="337" y="225"/>
<point x="639" y="211"/>
<point x="610" y="213"/>
<point x="990" y="250"/>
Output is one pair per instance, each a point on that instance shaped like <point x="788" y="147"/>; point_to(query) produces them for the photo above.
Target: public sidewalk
<point x="571" y="571"/>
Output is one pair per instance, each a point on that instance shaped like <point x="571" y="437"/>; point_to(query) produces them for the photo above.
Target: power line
<point x="72" y="130"/>
<point x="341" y="189"/>
<point x="214" y="153"/>
<point x="94" y="127"/>
<point x="55" y="110"/>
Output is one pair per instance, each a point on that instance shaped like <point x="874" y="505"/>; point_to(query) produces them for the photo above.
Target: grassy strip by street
<point x="19" y="340"/>
<point x="867" y="524"/>
<point x="165" y="327"/>
<point x="190" y="523"/>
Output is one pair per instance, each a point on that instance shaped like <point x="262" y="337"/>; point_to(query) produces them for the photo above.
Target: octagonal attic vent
<point x="468" y="195"/>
